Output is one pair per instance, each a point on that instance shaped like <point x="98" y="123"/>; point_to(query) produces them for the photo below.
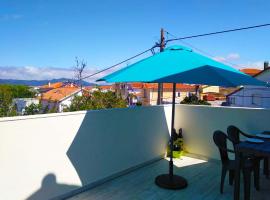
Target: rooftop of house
<point x="58" y="94"/>
<point x="102" y="87"/>
<point x="53" y="85"/>
<point x="166" y="86"/>
<point x="139" y="85"/>
<point x="254" y="75"/>
<point x="251" y="71"/>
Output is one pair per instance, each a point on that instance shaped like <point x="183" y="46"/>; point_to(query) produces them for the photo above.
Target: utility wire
<point x="203" y="51"/>
<point x="139" y="54"/>
<point x="170" y="40"/>
<point x="218" y="32"/>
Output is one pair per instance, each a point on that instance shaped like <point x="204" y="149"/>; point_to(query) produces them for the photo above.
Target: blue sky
<point x="39" y="36"/>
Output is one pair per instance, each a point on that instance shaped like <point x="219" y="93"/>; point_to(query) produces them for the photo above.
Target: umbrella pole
<point x="172" y="130"/>
<point x="171" y="181"/>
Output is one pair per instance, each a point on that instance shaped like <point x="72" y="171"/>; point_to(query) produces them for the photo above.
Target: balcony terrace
<point x="203" y="178"/>
<point x="117" y="153"/>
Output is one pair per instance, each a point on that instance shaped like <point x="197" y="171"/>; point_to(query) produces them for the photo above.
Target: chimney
<point x="49" y="84"/>
<point x="265" y="65"/>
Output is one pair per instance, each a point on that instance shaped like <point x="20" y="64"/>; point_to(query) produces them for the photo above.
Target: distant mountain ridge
<point x="38" y="82"/>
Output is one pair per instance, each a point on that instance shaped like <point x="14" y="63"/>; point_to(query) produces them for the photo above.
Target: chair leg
<point x="223" y="175"/>
<point x="266" y="167"/>
<point x="246" y="174"/>
<point x="257" y="174"/>
<point x="231" y="177"/>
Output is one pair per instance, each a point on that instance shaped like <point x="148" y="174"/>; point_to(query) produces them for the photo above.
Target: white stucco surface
<point x="81" y="148"/>
<point x="253" y="96"/>
<point x="75" y="148"/>
<point x="199" y="123"/>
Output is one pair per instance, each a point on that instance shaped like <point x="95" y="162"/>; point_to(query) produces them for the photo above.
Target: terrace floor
<point x="203" y="179"/>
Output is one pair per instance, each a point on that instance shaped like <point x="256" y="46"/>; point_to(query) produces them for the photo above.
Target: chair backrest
<point x="234" y="134"/>
<point x="220" y="140"/>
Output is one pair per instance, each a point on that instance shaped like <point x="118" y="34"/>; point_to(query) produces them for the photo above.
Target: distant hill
<point x="37" y="82"/>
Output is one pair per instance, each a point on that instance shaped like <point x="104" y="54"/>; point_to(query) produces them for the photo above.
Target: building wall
<point x="60" y="105"/>
<point x="210" y="89"/>
<point x="252" y="96"/>
<point x="49" y="104"/>
<point x="21" y="103"/>
<point x="167" y="96"/>
<point x="256" y="97"/>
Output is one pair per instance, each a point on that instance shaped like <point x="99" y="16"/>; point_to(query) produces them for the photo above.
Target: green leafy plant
<point x="32" y="109"/>
<point x="139" y="103"/>
<point x="193" y="99"/>
<point x="178" y="148"/>
<point x="8" y="93"/>
<point x="96" y="100"/>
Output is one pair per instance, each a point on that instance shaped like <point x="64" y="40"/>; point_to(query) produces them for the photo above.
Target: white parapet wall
<point x="199" y="123"/>
<point x="44" y="156"/>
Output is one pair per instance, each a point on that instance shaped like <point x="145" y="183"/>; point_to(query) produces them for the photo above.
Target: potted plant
<point x="177" y="147"/>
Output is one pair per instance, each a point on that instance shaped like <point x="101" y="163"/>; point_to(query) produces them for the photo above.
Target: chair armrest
<point x="251" y="136"/>
<point x="228" y="150"/>
<point x="247" y="135"/>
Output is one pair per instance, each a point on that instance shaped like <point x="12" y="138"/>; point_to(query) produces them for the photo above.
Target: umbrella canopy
<point x="179" y="64"/>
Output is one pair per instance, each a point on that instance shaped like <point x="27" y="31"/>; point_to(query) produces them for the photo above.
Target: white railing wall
<point x="44" y="156"/>
<point x="199" y="123"/>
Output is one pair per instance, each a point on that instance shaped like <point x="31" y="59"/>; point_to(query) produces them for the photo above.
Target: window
<point x="256" y="99"/>
<point x="178" y="94"/>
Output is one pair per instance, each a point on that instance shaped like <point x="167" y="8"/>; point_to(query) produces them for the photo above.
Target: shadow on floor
<point x="50" y="189"/>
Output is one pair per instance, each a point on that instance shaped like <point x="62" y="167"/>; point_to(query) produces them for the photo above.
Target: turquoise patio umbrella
<point x="179" y="64"/>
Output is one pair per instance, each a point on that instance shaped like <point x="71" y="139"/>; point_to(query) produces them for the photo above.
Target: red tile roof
<point x="165" y="86"/>
<point x="250" y="71"/>
<point x="53" y="85"/>
<point x="138" y="85"/>
<point x="102" y="87"/>
<point x="58" y="94"/>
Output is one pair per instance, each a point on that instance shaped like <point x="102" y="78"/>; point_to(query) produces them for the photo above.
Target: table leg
<point x="237" y="175"/>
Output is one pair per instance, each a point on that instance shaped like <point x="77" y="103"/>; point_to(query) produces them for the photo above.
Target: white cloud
<point x="229" y="57"/>
<point x="47" y="73"/>
<point x="219" y="58"/>
<point x="256" y="64"/>
<point x="233" y="56"/>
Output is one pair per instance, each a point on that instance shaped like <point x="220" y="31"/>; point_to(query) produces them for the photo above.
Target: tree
<point x="8" y="93"/>
<point x="193" y="99"/>
<point x="32" y="109"/>
<point x="96" y="100"/>
<point x="80" y="65"/>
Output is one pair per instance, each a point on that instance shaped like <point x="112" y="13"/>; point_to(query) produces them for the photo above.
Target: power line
<point x="218" y="32"/>
<point x="203" y="51"/>
<point x="170" y="40"/>
<point x="139" y="54"/>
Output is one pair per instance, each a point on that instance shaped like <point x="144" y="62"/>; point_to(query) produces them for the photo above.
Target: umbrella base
<point x="173" y="182"/>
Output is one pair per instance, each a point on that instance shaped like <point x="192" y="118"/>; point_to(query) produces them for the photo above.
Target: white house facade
<point x="21" y="103"/>
<point x="62" y="103"/>
<point x="252" y="96"/>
